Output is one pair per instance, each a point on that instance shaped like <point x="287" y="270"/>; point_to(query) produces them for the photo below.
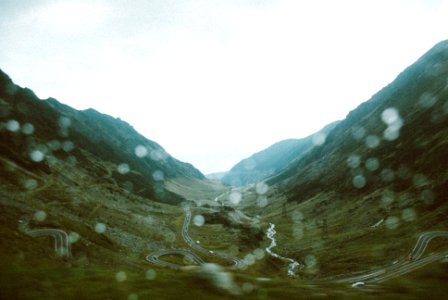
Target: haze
<point x="215" y="81"/>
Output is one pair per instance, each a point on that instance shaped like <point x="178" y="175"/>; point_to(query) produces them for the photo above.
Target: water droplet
<point x="64" y="122"/>
<point x="387" y="197"/>
<point x="262" y="201"/>
<point x="54" y="145"/>
<point x="235" y="197"/>
<point x="392" y="223"/>
<point x="358" y="132"/>
<point x="170" y="237"/>
<point x="100" y="227"/>
<point x="259" y="253"/>
<point x="71" y="160"/>
<point x="297" y="216"/>
<point x="390" y="115"/>
<point x="387" y="175"/>
<point x="319" y="138"/>
<point x="128" y="186"/>
<point x="428" y="197"/>
<point x="149" y="220"/>
<point x="151" y="274"/>
<point x="408" y="215"/>
<point x="372" y="164"/>
<point x="427" y="100"/>
<point x="40" y="215"/>
<point x="198" y="220"/>
<point x="298" y="231"/>
<point x="372" y="141"/>
<point x="353" y="161"/>
<point x="247" y="287"/>
<point x="157" y="155"/>
<point x="404" y="172"/>
<point x="216" y="276"/>
<point x="391" y="134"/>
<point x="27" y="129"/>
<point x="37" y="155"/>
<point x="30" y="184"/>
<point x="158" y="175"/>
<point x="359" y="181"/>
<point x="12" y="125"/>
<point x="121" y="276"/>
<point x="249" y="259"/>
<point x="123" y="168"/>
<point x="132" y="297"/>
<point x="141" y="151"/>
<point x="261" y="188"/>
<point x="52" y="161"/>
<point x="420" y="180"/>
<point x="310" y="261"/>
<point x="249" y="164"/>
<point x="73" y="237"/>
<point x="68" y="146"/>
<point x="404" y="199"/>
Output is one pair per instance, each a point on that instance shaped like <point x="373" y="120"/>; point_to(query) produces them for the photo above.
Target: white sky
<point x="214" y="81"/>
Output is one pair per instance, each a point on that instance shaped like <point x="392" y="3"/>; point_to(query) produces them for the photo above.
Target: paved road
<point x="154" y="257"/>
<point x="237" y="263"/>
<point x="61" y="240"/>
<point x="399" y="268"/>
<point x="404" y="265"/>
<point x="423" y="242"/>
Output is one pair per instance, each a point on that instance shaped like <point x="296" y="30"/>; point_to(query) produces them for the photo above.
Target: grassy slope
<point x="271" y="160"/>
<point x="75" y="201"/>
<point x="97" y="258"/>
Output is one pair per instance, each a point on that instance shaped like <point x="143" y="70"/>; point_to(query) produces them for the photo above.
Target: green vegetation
<point x="353" y="205"/>
<point x="272" y="160"/>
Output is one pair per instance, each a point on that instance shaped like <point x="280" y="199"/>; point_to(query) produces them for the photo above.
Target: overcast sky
<point x="214" y="81"/>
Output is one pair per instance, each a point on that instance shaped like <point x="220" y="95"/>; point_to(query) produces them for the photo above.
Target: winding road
<point x="62" y="245"/>
<point x="154" y="257"/>
<point x="61" y="240"/>
<point x="402" y="266"/>
<point x="237" y="263"/>
<point x="398" y="268"/>
<point x="423" y="242"/>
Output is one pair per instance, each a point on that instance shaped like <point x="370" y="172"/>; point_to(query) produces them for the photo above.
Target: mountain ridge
<point x="273" y="159"/>
<point x="356" y="201"/>
<point x="414" y="97"/>
<point x="145" y="164"/>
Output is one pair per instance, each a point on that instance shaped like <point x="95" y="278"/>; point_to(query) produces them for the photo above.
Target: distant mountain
<point x="216" y="176"/>
<point x="85" y="199"/>
<point x="398" y="140"/>
<point x="40" y="134"/>
<point x="272" y="160"/>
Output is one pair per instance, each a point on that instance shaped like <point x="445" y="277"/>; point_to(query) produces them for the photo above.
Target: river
<point x="293" y="264"/>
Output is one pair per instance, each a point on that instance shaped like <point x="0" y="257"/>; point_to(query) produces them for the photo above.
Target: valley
<point x="91" y="209"/>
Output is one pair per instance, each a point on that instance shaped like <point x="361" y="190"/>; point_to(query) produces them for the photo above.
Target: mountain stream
<point x="293" y="264"/>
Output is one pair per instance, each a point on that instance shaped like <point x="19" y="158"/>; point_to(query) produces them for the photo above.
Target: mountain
<point x="272" y="160"/>
<point x="362" y="200"/>
<point x="216" y="176"/>
<point x="398" y="139"/>
<point x="84" y="197"/>
<point x="41" y="134"/>
<point x="346" y="213"/>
